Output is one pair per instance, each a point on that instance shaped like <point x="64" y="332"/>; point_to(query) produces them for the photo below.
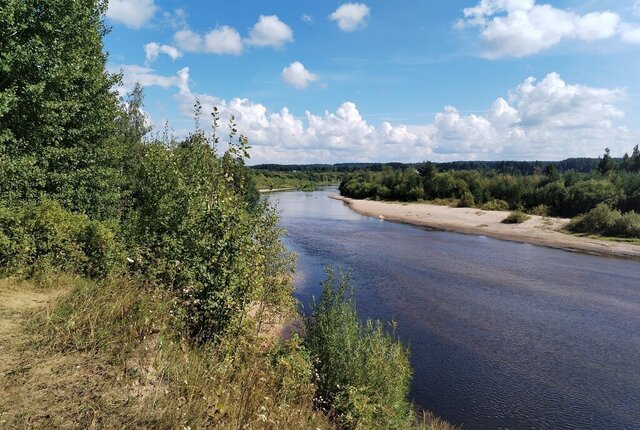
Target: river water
<point x="502" y="334"/>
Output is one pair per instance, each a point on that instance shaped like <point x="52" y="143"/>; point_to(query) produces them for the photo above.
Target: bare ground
<point x="538" y="230"/>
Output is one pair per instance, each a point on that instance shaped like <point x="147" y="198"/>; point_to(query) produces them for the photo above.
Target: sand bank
<point x="544" y="231"/>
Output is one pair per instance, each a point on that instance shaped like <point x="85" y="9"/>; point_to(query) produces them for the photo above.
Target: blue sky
<point x="405" y="80"/>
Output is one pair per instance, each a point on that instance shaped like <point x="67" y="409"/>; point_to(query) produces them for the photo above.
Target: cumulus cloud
<point x="153" y="50"/>
<point x="307" y="18"/>
<point x="132" y="13"/>
<point x="221" y="40"/>
<point x="546" y="119"/>
<point x="297" y="76"/>
<point x="270" y="31"/>
<point x="351" y="16"/>
<point x="518" y="28"/>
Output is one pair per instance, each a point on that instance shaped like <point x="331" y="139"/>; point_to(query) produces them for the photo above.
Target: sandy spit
<point x="544" y="231"/>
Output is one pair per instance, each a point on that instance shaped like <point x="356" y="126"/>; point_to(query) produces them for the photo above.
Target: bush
<point x="467" y="200"/>
<point x="540" y="210"/>
<point x="37" y="237"/>
<point x="628" y="225"/>
<point x="608" y="222"/>
<point x="362" y="372"/>
<point x="496" y="205"/>
<point x="516" y="217"/>
<point x="598" y="220"/>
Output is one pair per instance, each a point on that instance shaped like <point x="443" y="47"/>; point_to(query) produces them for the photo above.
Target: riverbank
<point x="537" y="230"/>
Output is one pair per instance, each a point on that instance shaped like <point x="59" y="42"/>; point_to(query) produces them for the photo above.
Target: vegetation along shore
<point x="537" y="230"/>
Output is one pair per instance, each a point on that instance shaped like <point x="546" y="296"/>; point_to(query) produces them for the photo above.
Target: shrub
<point x="496" y="205"/>
<point x="540" y="210"/>
<point x="515" y="217"/>
<point x="40" y="236"/>
<point x="628" y="225"/>
<point x="362" y="372"/>
<point x="467" y="200"/>
<point x="598" y="220"/>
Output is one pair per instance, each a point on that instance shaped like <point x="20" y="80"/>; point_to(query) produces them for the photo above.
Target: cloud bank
<point x="539" y="119"/>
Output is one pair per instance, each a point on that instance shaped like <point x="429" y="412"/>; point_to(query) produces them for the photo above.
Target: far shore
<point x="538" y="230"/>
<point x="274" y="190"/>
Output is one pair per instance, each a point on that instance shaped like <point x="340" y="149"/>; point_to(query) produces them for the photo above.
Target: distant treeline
<point x="545" y="191"/>
<point x="580" y="165"/>
<point x="304" y="180"/>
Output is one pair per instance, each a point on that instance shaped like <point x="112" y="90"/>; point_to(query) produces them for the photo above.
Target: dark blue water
<point x="503" y="335"/>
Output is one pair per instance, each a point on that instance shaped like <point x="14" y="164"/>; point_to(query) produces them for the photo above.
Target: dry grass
<point x="106" y="356"/>
<point x="83" y="355"/>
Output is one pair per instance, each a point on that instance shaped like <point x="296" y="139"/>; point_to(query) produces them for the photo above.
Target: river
<point x="502" y="334"/>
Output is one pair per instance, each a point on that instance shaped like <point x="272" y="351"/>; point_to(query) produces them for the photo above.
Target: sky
<point x="405" y="80"/>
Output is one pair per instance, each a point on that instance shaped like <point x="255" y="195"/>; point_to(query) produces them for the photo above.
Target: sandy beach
<point x="537" y="230"/>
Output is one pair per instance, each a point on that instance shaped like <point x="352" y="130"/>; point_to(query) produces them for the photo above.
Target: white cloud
<point x="221" y="40"/>
<point x="631" y="33"/>
<point x="147" y="77"/>
<point x="518" y="28"/>
<point x="153" y="50"/>
<point x="544" y="120"/>
<point x="132" y="13"/>
<point x="297" y="76"/>
<point x="350" y="16"/>
<point x="307" y="18"/>
<point x="270" y="31"/>
<point x="636" y="8"/>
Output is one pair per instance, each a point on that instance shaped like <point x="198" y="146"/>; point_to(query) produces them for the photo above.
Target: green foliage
<point x="362" y="372"/>
<point x="403" y="185"/>
<point x="606" y="164"/>
<point x="56" y="106"/>
<point x="516" y="217"/>
<point x="466" y="200"/>
<point x="43" y="236"/>
<point x="543" y="191"/>
<point x="586" y="195"/>
<point x="496" y="205"/>
<point x="304" y="180"/>
<point x="606" y="221"/>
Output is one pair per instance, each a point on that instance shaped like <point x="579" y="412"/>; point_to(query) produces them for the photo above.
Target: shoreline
<point x="538" y="230"/>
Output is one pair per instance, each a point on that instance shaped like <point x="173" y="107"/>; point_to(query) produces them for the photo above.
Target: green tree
<point x="635" y="159"/>
<point x="57" y="108"/>
<point x="606" y="164"/>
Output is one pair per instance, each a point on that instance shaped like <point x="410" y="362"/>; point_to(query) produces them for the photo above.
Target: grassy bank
<point x="113" y="354"/>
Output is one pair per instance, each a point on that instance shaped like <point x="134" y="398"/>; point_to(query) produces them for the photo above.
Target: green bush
<point x="628" y="225"/>
<point x="516" y="217"/>
<point x="42" y="235"/>
<point x="540" y="210"/>
<point x="496" y="205"/>
<point x="608" y="222"/>
<point x="598" y="220"/>
<point x="362" y="372"/>
<point x="466" y="200"/>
